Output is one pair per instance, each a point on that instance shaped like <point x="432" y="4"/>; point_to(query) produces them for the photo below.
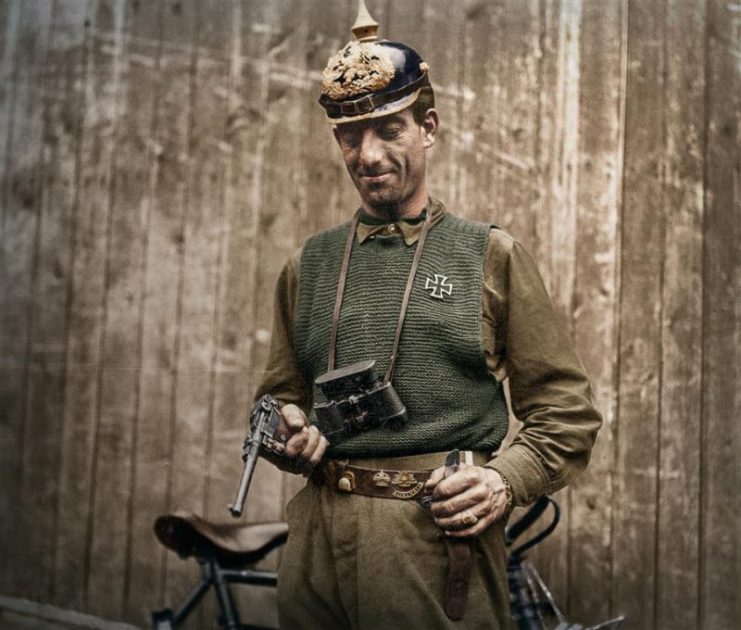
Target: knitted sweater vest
<point x="441" y="375"/>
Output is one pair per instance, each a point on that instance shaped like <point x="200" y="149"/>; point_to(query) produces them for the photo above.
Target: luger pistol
<point x="264" y="420"/>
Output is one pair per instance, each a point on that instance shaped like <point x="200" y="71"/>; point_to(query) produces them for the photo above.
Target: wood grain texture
<point x="10" y="371"/>
<point x="168" y="191"/>
<point x="552" y="234"/>
<point x="49" y="291"/>
<point x="118" y="376"/>
<point x="681" y="327"/>
<point x="720" y="475"/>
<point x="101" y="86"/>
<point x="594" y="298"/>
<point x="203" y="229"/>
<point x="639" y="351"/>
<point x="22" y="192"/>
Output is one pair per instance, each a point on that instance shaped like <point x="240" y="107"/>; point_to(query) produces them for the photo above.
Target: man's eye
<point x="350" y="140"/>
<point x="389" y="133"/>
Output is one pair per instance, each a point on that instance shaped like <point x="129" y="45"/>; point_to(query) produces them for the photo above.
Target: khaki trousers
<point x="362" y="563"/>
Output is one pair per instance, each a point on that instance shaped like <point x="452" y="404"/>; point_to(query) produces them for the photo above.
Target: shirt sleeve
<point x="549" y="390"/>
<point x="281" y="378"/>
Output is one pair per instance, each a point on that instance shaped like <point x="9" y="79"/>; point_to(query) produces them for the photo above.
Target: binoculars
<point x="357" y="400"/>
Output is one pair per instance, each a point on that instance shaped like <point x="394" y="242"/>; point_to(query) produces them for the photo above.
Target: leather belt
<point x="385" y="478"/>
<point x="372" y="482"/>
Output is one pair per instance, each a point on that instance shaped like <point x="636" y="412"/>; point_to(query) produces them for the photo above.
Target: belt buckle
<point x="363" y="105"/>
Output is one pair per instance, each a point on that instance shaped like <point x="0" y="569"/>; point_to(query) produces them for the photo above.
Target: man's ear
<point x="429" y="126"/>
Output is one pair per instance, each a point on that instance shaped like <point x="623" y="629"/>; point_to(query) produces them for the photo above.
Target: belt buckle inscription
<point x="410" y="484"/>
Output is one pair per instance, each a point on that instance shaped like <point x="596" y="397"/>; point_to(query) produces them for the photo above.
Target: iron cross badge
<point x="439" y="287"/>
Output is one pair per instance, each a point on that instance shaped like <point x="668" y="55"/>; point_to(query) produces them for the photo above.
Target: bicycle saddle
<point x="230" y="544"/>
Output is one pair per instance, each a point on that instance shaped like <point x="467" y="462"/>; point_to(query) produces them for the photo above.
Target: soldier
<point x="385" y="535"/>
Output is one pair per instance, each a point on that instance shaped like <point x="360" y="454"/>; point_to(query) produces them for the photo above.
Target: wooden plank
<point x="720" y="551"/>
<point x="642" y="233"/>
<point x="595" y="297"/>
<point x="681" y="334"/>
<point x="553" y="217"/>
<point x="499" y="115"/>
<point x="559" y="151"/>
<point x="47" y="315"/>
<point x="10" y="375"/>
<point x="117" y="414"/>
<point x="10" y="17"/>
<point x="121" y="341"/>
<point x="41" y="456"/>
<point x="101" y="87"/>
<point x="61" y="139"/>
<point x="21" y="203"/>
<point x="197" y="282"/>
<point x="168" y="192"/>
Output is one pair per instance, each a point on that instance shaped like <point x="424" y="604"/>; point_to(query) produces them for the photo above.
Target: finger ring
<point x="469" y="518"/>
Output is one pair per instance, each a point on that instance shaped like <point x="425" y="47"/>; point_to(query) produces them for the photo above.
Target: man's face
<point x="386" y="160"/>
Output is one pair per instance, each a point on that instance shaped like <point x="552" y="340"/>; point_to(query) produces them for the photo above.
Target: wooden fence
<point x="161" y="160"/>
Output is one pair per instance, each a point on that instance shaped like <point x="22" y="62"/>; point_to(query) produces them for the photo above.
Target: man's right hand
<point x="304" y="446"/>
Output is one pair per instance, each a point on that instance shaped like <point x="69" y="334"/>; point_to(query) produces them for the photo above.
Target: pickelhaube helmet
<point x="371" y="77"/>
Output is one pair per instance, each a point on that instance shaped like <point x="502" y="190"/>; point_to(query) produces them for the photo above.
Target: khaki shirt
<point x="525" y="342"/>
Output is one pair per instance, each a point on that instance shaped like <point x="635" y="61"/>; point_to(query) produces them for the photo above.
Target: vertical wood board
<point x="101" y="87"/>
<point x="48" y="308"/>
<point x="601" y="94"/>
<point x="168" y="198"/>
<point x="720" y="475"/>
<point x="21" y="208"/>
<point x="681" y="333"/>
<point x="639" y="350"/>
<point x="126" y="257"/>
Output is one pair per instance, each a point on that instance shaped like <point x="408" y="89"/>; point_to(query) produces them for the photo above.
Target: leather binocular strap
<point x="404" y="303"/>
<point x="460" y="561"/>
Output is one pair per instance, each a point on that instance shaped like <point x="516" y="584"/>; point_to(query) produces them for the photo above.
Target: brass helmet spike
<point x="365" y="28"/>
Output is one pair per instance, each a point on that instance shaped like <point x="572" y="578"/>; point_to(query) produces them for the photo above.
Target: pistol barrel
<point x="237" y="507"/>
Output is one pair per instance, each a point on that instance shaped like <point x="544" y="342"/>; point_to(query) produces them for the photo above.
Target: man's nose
<point x="370" y="149"/>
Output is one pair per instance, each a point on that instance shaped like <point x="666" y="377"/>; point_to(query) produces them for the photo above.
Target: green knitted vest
<point x="441" y="375"/>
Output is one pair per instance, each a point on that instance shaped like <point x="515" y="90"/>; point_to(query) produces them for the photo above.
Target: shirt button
<point x="392" y="228"/>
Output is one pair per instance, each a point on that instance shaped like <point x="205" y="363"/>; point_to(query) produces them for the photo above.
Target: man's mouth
<point x="373" y="178"/>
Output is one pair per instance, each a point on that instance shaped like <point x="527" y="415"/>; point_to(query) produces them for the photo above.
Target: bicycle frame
<point x="213" y="575"/>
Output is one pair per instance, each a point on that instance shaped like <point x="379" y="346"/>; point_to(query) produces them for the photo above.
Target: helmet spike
<point x="365" y="28"/>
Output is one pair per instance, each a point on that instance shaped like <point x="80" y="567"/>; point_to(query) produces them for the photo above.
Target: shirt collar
<point x="410" y="228"/>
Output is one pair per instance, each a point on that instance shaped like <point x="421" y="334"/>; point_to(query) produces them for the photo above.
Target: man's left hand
<point x="468" y="501"/>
